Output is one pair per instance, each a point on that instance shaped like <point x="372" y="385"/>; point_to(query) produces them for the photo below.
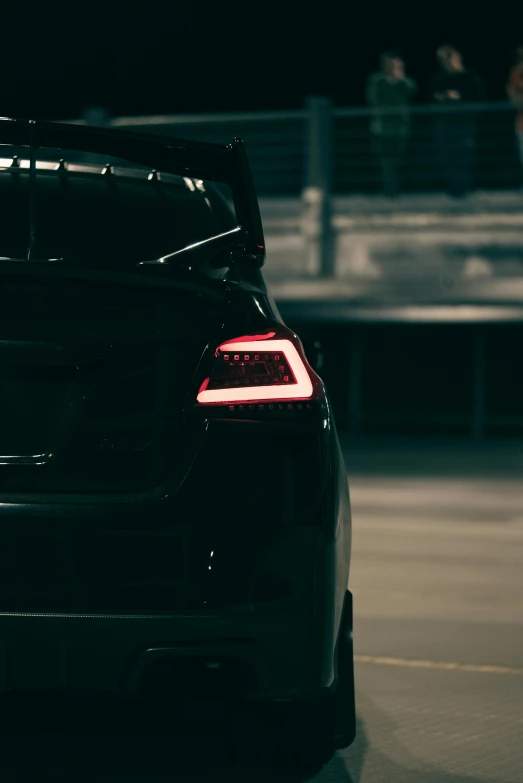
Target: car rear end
<point x="175" y="518"/>
<point x="129" y="504"/>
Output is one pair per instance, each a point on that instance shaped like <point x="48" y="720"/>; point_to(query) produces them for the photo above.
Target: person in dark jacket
<point x="515" y="93"/>
<point x="389" y="92"/>
<point x="453" y="87"/>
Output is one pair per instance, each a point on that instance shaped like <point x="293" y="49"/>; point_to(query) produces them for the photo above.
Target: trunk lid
<point x="92" y="382"/>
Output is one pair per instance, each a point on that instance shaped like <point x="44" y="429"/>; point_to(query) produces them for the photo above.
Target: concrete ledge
<point x="413" y="240"/>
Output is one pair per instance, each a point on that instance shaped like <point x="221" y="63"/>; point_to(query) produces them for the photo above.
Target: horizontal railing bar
<point x="202" y="119"/>
<point x="424" y="109"/>
<point x="299" y="114"/>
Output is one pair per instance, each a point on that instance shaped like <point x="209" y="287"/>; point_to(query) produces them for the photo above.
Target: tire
<point x="299" y="736"/>
<point x="310" y="755"/>
<point x="345" y="700"/>
<point x="338" y="712"/>
<point x="314" y="752"/>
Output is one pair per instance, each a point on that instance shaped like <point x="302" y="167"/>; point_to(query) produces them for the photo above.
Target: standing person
<point x="453" y="86"/>
<point x="390" y="93"/>
<point x="515" y="93"/>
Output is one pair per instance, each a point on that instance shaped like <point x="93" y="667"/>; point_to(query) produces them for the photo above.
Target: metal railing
<point x="285" y="146"/>
<point x="495" y="157"/>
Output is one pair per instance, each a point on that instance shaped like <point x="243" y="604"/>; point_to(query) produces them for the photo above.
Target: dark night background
<point x="189" y="56"/>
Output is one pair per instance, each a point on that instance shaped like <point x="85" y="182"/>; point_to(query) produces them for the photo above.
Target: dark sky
<point x="198" y="55"/>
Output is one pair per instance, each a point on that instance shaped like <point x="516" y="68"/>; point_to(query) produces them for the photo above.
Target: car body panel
<point x="138" y="527"/>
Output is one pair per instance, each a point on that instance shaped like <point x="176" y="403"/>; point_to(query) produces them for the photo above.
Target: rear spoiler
<point x="225" y="163"/>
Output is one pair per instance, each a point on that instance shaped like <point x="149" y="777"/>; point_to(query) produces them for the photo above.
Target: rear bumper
<point x="272" y="656"/>
<point x="253" y="569"/>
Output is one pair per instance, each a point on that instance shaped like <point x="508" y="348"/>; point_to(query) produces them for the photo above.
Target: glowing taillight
<point x="256" y="369"/>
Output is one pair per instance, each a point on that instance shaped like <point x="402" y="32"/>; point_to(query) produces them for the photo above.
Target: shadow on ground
<point x="199" y="753"/>
<point x="194" y="752"/>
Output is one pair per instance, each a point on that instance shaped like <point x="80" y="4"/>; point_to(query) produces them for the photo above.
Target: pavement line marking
<point x="442" y="665"/>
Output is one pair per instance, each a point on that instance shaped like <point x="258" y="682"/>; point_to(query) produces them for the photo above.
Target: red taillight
<point x="256" y="368"/>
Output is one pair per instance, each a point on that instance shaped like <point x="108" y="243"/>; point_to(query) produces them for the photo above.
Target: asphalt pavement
<point x="437" y="579"/>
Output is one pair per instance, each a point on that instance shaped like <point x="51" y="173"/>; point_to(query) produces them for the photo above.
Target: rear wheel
<point x="323" y="728"/>
<point x="309" y="755"/>
<point x="345" y="700"/>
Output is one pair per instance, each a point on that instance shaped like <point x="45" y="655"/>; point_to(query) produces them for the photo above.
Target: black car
<point x="175" y="518"/>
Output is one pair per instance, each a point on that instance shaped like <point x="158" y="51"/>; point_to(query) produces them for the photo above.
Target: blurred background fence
<point x="282" y="143"/>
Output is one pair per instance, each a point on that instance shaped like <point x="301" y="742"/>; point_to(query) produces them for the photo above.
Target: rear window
<point x="116" y="219"/>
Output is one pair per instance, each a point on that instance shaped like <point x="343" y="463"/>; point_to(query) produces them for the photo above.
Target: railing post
<point x="355" y="348"/>
<point x="96" y="116"/>
<point x="317" y="192"/>
<point x="478" y="384"/>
